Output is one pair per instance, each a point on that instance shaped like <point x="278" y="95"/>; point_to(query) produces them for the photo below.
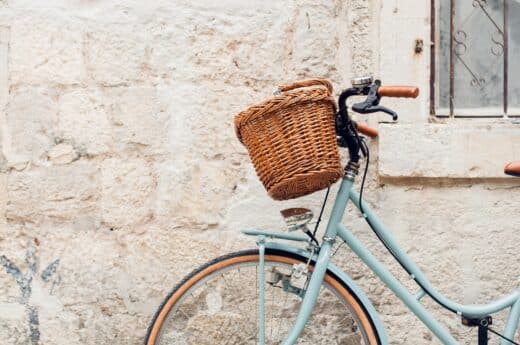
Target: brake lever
<point x="371" y="103"/>
<point x="376" y="108"/>
<point x="360" y="108"/>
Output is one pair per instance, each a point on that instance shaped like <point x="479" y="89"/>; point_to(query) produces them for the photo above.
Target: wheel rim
<point x="219" y="305"/>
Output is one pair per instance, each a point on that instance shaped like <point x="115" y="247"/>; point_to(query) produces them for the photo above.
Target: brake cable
<point x="394" y="255"/>
<point x="498" y="334"/>
<point x="321" y="213"/>
<point x="348" y="127"/>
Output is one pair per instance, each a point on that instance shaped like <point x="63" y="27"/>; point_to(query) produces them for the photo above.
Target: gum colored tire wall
<point x="251" y="256"/>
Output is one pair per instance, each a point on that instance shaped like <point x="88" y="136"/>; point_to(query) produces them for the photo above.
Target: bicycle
<point x="281" y="293"/>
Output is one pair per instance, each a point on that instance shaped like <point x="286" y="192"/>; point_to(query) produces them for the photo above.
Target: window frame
<point x="451" y="112"/>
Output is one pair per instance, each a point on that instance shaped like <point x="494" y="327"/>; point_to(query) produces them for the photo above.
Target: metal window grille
<point x="475" y="69"/>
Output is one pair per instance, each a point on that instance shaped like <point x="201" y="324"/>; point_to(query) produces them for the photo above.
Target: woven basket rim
<point x="278" y="133"/>
<point x="250" y="114"/>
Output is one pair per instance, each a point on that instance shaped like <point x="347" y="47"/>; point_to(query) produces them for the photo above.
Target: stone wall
<point x="120" y="171"/>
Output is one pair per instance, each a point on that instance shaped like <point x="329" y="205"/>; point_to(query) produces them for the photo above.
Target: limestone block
<point x="3" y="198"/>
<point x="467" y="150"/>
<point x="31" y="118"/>
<point x="127" y="191"/>
<point x="3" y="163"/>
<point x="13" y="332"/>
<point x="55" y="192"/>
<point x="62" y="154"/>
<point x="199" y="178"/>
<point x="195" y="194"/>
<point x="202" y="119"/>
<point x="116" y="55"/>
<point x="45" y="49"/>
<point x="361" y="37"/>
<point x="463" y="230"/>
<point x="139" y="120"/>
<point x="315" y="39"/>
<point x="83" y="121"/>
<point x="243" y="212"/>
<point x="250" y="46"/>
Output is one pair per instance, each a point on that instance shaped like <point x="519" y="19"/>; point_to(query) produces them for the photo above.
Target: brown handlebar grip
<point x="366" y="130"/>
<point x="398" y="91"/>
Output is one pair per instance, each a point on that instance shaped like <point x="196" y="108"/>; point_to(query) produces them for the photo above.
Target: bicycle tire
<point x="174" y="322"/>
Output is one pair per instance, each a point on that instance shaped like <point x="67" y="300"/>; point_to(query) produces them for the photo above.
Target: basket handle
<point x="306" y="83"/>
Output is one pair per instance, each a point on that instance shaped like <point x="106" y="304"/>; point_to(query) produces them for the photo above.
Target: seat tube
<point x="512" y="323"/>
<point x="322" y="262"/>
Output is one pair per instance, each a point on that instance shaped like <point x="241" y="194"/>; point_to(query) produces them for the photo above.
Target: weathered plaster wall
<point x="442" y="186"/>
<point x="120" y="170"/>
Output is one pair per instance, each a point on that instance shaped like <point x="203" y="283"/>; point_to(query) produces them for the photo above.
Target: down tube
<point x="322" y="263"/>
<point x="400" y="291"/>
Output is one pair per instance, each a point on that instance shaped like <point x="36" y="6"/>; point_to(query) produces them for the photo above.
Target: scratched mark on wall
<point x="24" y="281"/>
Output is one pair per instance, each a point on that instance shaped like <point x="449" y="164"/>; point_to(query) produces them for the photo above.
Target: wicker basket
<point x="291" y="139"/>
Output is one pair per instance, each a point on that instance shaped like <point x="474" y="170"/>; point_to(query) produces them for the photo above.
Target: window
<point x="475" y="63"/>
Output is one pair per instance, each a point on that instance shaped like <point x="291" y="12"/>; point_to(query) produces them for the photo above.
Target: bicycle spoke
<point x="280" y="319"/>
<point x="272" y="316"/>
<point x="224" y="309"/>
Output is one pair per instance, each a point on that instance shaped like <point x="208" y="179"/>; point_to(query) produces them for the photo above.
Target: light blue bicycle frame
<point x="412" y="301"/>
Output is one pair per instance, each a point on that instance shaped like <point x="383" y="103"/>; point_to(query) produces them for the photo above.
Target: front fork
<point x="274" y="278"/>
<point x="311" y="291"/>
<point x="261" y="284"/>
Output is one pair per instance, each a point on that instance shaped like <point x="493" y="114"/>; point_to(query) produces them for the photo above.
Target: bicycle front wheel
<point x="218" y="304"/>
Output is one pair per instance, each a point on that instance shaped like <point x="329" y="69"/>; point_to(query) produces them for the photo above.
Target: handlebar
<point x="346" y="128"/>
<point x="367" y="130"/>
<point x="398" y="91"/>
